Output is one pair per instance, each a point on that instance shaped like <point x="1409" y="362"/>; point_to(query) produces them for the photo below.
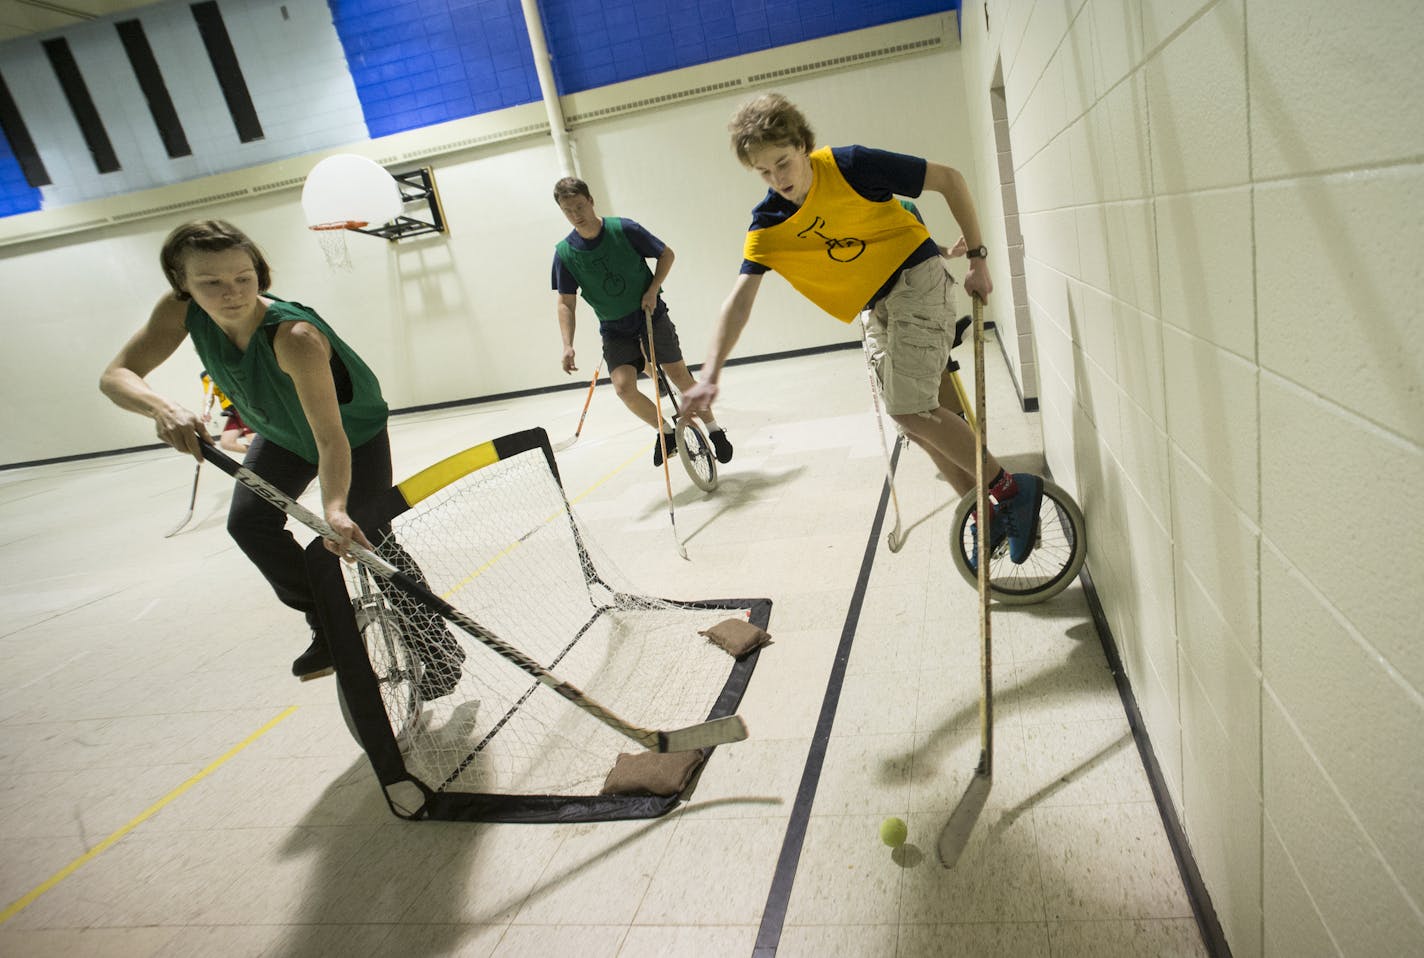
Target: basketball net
<point x="332" y="237"/>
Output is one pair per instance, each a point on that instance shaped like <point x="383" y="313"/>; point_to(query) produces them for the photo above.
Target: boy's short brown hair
<point x="208" y="236"/>
<point x="769" y="120"/>
<point x="569" y="187"/>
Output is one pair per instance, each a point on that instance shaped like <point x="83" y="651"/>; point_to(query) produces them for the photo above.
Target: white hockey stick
<point x="192" y="501"/>
<point x="895" y="539"/>
<point x="720" y="731"/>
<point x="955" y="834"/>
<point x="662" y="436"/>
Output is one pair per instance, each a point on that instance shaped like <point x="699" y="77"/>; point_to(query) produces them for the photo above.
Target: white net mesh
<point x="333" y="247"/>
<point x="501" y="546"/>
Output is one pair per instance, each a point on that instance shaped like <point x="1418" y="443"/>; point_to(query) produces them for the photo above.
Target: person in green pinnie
<point x="604" y="259"/>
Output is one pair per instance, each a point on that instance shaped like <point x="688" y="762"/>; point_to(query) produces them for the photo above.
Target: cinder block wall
<point x="1221" y="216"/>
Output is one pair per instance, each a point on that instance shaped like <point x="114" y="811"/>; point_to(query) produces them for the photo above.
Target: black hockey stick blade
<point x="955" y="834"/>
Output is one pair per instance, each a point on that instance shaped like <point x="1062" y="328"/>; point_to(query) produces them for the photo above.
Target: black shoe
<point x="721" y="445"/>
<point x="315" y="662"/>
<point x="440" y="671"/>
<point x="671" y="438"/>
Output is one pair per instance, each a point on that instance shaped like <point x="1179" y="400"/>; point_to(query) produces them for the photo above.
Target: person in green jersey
<point x="316" y="406"/>
<point x="604" y="259"/>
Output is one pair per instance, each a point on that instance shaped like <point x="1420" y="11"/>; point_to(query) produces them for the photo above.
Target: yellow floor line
<point x="619" y="468"/>
<point x="147" y="813"/>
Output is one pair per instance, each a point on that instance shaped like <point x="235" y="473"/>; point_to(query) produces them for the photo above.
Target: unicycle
<point x="693" y="449"/>
<point x="394" y="665"/>
<point x="1060" y="545"/>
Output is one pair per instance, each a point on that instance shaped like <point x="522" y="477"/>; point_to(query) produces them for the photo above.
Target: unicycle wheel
<point x="696" y="454"/>
<point x="393" y="665"/>
<point x="1056" y="558"/>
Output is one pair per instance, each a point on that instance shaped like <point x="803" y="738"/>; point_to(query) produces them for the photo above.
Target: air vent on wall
<point x="452" y="146"/>
<point x="646" y="102"/>
<point x="885" y="52"/>
<point x="172" y="207"/>
<point x="279" y="184"/>
<point x="819" y="65"/>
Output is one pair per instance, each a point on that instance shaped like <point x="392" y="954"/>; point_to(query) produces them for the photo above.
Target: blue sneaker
<point x="998" y="529"/>
<point x="1020" y="515"/>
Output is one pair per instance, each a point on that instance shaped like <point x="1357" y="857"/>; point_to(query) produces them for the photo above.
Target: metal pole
<point x="543" y="66"/>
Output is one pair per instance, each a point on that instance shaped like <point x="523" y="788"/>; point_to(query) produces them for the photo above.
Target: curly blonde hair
<point x="769" y="120"/>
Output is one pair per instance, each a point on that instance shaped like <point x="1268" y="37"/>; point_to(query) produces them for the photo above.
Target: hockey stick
<point x="955" y="834"/>
<point x="720" y="731"/>
<point x="563" y="444"/>
<point x="895" y="539"/>
<point x="662" y="436"/>
<point x="192" y="501"/>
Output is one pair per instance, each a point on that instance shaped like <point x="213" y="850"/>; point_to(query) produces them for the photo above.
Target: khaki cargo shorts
<point x="909" y="332"/>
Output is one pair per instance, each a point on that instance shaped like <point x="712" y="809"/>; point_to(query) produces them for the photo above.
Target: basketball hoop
<point x="332" y="237"/>
<point x="347" y="192"/>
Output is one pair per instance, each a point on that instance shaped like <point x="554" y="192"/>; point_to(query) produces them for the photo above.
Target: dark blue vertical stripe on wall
<point x="418" y="62"/>
<point x="208" y="16"/>
<point x="81" y="104"/>
<point x="155" y="90"/>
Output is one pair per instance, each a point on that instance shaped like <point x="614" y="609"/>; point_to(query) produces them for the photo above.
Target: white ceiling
<point x="20" y="18"/>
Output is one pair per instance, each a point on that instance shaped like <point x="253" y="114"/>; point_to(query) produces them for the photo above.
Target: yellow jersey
<point x="839" y="248"/>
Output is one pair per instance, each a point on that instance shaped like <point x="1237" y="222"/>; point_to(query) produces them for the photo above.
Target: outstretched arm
<point x="123" y="379"/>
<point x="736" y="311"/>
<point x="305" y="354"/>
<point x="949" y="183"/>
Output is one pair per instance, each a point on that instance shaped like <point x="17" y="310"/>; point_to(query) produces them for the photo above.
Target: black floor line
<point x="773" y="916"/>
<point x="1213" y="936"/>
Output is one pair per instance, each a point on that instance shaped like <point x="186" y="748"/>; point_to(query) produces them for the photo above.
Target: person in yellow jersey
<point x="832" y="226"/>
<point x="236" y="435"/>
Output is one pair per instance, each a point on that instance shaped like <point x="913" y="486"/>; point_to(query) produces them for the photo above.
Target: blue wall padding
<point x="427" y="61"/>
<point x="16" y="195"/>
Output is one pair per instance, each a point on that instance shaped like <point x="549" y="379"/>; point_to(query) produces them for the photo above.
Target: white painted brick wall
<point x="1234" y="187"/>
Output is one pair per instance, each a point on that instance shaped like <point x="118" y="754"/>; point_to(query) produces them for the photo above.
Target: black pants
<point x="260" y="529"/>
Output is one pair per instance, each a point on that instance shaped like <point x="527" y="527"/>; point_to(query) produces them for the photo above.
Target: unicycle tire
<point x="394" y="665"/>
<point x="1051" y="567"/>
<point x="696" y="454"/>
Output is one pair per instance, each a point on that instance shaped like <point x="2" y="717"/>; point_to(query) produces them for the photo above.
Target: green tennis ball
<point x="893" y="832"/>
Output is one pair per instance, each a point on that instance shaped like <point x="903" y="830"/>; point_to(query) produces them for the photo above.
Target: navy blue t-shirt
<point x="877" y="175"/>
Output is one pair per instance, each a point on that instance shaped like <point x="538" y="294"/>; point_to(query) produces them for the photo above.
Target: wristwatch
<point x="977" y="252"/>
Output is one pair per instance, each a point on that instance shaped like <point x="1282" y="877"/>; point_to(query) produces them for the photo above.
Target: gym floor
<point x="169" y="789"/>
